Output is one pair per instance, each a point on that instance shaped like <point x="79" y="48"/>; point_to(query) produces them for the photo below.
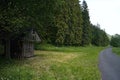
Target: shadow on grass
<point x="13" y="69"/>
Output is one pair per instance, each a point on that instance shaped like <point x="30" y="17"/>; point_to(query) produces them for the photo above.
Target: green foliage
<point x="86" y="37"/>
<point x="13" y="21"/>
<point x="67" y="27"/>
<point x="115" y="41"/>
<point x="116" y="50"/>
<point x="58" y="22"/>
<point x="99" y="37"/>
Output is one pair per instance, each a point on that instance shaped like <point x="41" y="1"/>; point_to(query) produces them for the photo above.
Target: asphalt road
<point x="109" y="65"/>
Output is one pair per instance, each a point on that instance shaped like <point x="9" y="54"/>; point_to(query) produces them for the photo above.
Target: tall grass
<point x="49" y="47"/>
<point x="54" y="63"/>
<point x="116" y="50"/>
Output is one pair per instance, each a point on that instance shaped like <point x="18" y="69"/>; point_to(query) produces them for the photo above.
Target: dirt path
<point x="109" y="65"/>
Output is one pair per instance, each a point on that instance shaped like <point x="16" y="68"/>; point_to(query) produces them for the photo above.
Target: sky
<point x="106" y="13"/>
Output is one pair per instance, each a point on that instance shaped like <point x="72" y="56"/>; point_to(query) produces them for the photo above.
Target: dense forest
<point x="58" y="22"/>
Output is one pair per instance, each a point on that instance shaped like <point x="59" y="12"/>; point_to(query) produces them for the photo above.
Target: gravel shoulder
<point x="109" y="65"/>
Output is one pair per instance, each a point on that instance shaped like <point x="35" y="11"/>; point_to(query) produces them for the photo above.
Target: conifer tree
<point x="99" y="37"/>
<point x="66" y="28"/>
<point x="86" y="37"/>
<point x="74" y="34"/>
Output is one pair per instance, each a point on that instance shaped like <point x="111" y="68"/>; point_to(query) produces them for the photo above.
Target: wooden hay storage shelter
<point x="23" y="46"/>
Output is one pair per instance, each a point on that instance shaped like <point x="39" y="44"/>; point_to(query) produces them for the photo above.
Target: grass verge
<point x="54" y="63"/>
<point x="116" y="50"/>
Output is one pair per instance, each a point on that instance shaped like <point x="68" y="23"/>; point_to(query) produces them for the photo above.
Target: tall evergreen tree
<point x="74" y="34"/>
<point x="59" y="26"/>
<point x="67" y="23"/>
<point x="99" y="37"/>
<point x="86" y="37"/>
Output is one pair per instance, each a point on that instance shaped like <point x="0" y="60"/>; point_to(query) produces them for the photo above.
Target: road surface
<point x="109" y="65"/>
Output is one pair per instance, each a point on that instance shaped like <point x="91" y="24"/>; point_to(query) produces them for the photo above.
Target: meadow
<point x="54" y="63"/>
<point x="116" y="50"/>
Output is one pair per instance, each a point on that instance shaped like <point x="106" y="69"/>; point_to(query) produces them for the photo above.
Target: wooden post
<point x="7" y="49"/>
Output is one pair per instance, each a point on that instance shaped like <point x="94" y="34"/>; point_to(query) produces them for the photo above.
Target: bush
<point x="115" y="41"/>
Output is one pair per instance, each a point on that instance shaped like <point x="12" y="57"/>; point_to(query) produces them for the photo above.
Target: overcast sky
<point x="106" y="13"/>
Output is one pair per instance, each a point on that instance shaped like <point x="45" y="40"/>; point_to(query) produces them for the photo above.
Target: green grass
<point x="116" y="50"/>
<point x="54" y="63"/>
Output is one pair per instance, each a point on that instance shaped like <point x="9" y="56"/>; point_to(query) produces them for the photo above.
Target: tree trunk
<point x="7" y="49"/>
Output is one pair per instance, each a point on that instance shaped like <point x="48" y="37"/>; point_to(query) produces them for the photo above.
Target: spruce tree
<point x="86" y="37"/>
<point x="99" y="37"/>
<point x="67" y="23"/>
<point x="74" y="33"/>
